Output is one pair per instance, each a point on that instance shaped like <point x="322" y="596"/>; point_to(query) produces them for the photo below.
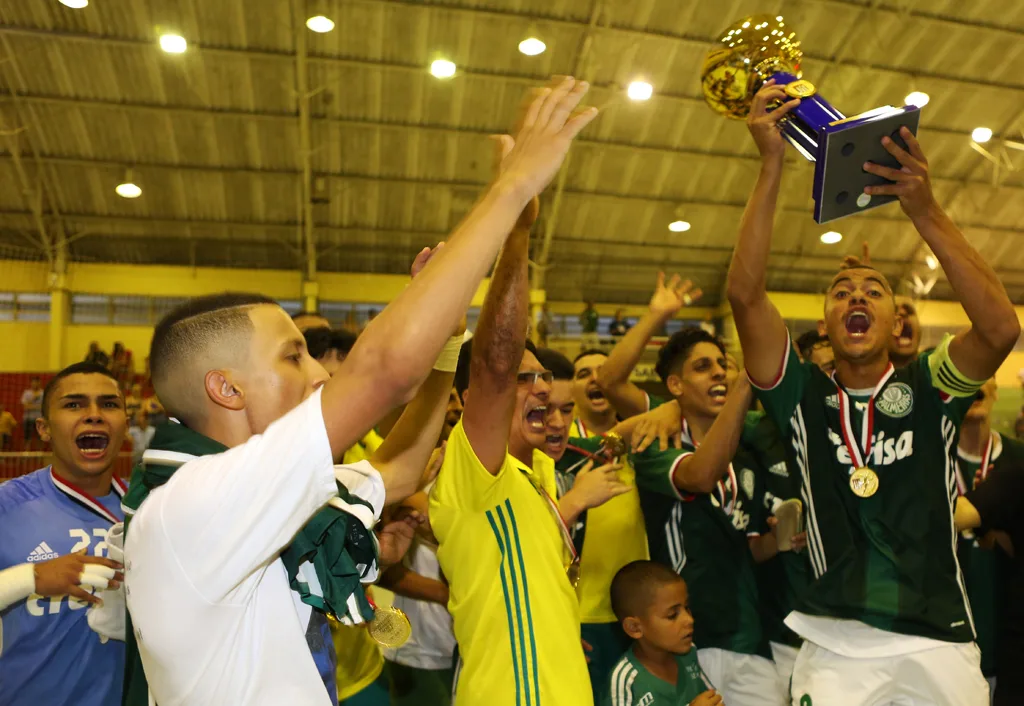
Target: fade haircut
<point x="557" y="363"/>
<point x="194" y="334"/>
<point x="589" y="351"/>
<point x="634" y="586"/>
<point x="75" y="369"/>
<point x="322" y="340"/>
<point x="678" y="349"/>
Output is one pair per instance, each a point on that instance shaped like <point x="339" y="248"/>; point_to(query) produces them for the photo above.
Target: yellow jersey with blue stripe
<point x="516" y="614"/>
<point x="615" y="536"/>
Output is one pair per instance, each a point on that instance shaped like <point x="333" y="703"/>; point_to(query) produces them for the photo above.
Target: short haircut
<point x="74" y="369"/>
<point x="557" y="363"/>
<point x="677" y="349"/>
<point x="465" y="357"/>
<point x="322" y="340"/>
<point x="191" y="331"/>
<point x="852" y="263"/>
<point x="634" y="585"/>
<point x="589" y="351"/>
<point x="808" y="340"/>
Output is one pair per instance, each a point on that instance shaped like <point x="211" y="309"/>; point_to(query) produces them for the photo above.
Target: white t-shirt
<point x="432" y="644"/>
<point x="215" y="619"/>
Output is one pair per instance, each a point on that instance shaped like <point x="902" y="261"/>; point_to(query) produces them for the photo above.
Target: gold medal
<point x="614" y="445"/>
<point x="864" y="482"/>
<point x="573" y="572"/>
<point x="800" y="89"/>
<point x="390" y="627"/>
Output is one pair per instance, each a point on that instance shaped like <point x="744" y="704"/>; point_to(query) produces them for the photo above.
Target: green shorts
<point x="417" y="687"/>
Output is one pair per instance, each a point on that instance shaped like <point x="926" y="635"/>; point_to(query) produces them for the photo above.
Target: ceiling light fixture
<point x="918" y="98"/>
<point x="981" y="134"/>
<point x="320" y="24"/>
<point x="831" y="238"/>
<point x="442" y="68"/>
<point x="74" y="4"/>
<point x="679" y="226"/>
<point x="531" y="46"/>
<point x="128" y="189"/>
<point x="640" y="91"/>
<point x="173" y="43"/>
<point x="932" y="263"/>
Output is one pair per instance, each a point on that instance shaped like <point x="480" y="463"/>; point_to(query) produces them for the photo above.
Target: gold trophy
<point x="762" y="47"/>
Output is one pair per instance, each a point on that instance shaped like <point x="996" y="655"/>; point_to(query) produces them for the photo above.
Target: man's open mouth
<point x="595" y="394"/>
<point x="857" y="323"/>
<point x="907" y="335"/>
<point x="718" y="393"/>
<point x="535" y="417"/>
<point x="554" y="439"/>
<point x="92" y="444"/>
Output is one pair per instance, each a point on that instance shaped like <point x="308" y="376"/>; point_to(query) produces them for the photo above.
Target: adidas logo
<point x="779" y="469"/>
<point x="42" y="553"/>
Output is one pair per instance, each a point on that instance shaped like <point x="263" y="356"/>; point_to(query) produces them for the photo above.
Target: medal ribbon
<point x="867" y="426"/>
<point x="720" y="486"/>
<point x="553" y="507"/>
<point x="82" y="498"/>
<point x="961" y="482"/>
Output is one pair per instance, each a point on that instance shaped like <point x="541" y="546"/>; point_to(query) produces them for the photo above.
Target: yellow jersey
<point x="364" y="449"/>
<point x="360" y="660"/>
<point x="615" y="536"/>
<point x="516" y="614"/>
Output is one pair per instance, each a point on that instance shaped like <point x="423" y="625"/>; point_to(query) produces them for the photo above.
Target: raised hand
<point x="596" y="486"/>
<point x="67" y="575"/>
<point x="764" y="124"/>
<point x="662" y="424"/>
<point x="670" y="298"/>
<point x="911" y="184"/>
<point x="547" y="125"/>
<point x="423" y="257"/>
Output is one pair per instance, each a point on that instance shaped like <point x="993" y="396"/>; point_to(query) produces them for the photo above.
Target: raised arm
<point x="701" y="470"/>
<point x="613" y="377"/>
<point x="980" y="350"/>
<point x="761" y="329"/>
<point x="394" y="354"/>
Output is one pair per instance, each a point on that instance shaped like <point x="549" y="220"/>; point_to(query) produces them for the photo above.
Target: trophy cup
<point x="758" y="48"/>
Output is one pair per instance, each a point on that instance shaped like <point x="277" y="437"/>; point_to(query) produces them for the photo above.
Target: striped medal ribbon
<point x="83" y="499"/>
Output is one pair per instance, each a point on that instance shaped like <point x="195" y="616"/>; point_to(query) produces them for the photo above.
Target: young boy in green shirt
<point x="661" y="668"/>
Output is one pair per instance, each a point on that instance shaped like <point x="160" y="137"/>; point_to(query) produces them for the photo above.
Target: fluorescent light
<point x="918" y="98"/>
<point x="75" y="4"/>
<point x="932" y="263"/>
<point x="442" y="68"/>
<point x="640" y="90"/>
<point x="679" y="226"/>
<point x="981" y="134"/>
<point x="128" y="190"/>
<point x="531" y="46"/>
<point x="319" y="23"/>
<point x="831" y="238"/>
<point x="173" y="43"/>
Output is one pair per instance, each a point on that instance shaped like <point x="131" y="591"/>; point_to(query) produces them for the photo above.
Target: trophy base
<point x="843" y="147"/>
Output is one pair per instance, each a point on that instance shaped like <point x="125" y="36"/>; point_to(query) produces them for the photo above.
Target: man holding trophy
<point x="886" y="619"/>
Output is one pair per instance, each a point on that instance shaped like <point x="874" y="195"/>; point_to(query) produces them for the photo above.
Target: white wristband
<point x="16" y="583"/>
<point x="448" y="360"/>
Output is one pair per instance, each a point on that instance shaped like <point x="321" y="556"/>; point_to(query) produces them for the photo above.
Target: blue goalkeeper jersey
<point x="48" y="653"/>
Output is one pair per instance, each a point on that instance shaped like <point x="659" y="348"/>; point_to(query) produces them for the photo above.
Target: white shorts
<point x="941" y="676"/>
<point x="784" y="657"/>
<point x="742" y="680"/>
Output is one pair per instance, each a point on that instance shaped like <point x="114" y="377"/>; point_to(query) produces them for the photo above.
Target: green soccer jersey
<point x="633" y="685"/>
<point x="986" y="571"/>
<point x="703" y="537"/>
<point x="783" y="577"/>
<point x="889" y="559"/>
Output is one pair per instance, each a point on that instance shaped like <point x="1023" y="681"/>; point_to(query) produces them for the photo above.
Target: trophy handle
<point x="803" y="126"/>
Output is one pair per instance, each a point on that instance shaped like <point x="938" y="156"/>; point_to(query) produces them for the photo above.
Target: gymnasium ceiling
<point x="215" y="136"/>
